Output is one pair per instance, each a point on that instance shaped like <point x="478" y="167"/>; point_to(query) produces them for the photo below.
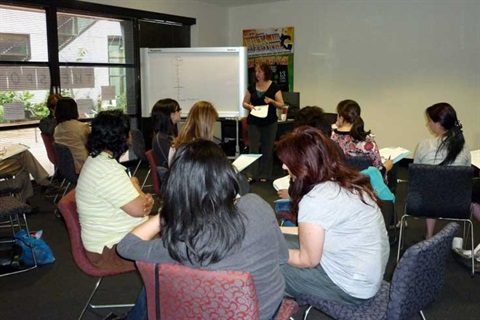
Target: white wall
<point x="212" y="20"/>
<point x="394" y="57"/>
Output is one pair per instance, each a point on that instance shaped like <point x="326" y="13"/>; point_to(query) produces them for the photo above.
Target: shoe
<point x="50" y="191"/>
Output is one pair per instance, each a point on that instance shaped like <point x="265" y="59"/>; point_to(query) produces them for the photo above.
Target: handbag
<point x="43" y="253"/>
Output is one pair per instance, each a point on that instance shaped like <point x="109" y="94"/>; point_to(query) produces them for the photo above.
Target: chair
<point x="68" y="209"/>
<point x="439" y="192"/>
<point x="138" y="148"/>
<point x="153" y="168"/>
<point x="11" y="210"/>
<point x="416" y="283"/>
<point x="358" y="163"/>
<point x="48" y="141"/>
<point x="66" y="169"/>
<point x="178" y="292"/>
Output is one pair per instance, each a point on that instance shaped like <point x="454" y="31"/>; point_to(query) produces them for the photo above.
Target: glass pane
<point x="93" y="39"/>
<point x="99" y="88"/>
<point x="23" y="35"/>
<point x="23" y="93"/>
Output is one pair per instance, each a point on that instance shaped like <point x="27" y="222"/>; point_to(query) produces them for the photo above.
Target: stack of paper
<point x="244" y="160"/>
<point x="9" y="150"/>
<point x="394" y="154"/>
<point x="282" y="183"/>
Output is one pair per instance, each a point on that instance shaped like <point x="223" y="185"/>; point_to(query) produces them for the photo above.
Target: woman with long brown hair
<point x="342" y="246"/>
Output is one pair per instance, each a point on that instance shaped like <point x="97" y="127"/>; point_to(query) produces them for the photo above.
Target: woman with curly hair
<point x="340" y="248"/>
<point x="109" y="202"/>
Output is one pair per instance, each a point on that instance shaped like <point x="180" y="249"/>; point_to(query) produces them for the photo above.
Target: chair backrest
<point x="138" y="143"/>
<point x="68" y="208"/>
<point x="330" y="117"/>
<point x="65" y="162"/>
<point x="48" y="141"/>
<point x="418" y="277"/>
<point x="187" y="293"/>
<point x="439" y="191"/>
<point x="358" y="163"/>
<point x="246" y="140"/>
<point x="153" y="168"/>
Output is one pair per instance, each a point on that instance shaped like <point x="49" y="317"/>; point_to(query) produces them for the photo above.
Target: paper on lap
<point x="394" y="154"/>
<point x="244" y="160"/>
<point x="282" y="183"/>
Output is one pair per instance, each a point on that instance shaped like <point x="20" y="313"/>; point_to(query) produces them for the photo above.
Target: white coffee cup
<point x="457" y="243"/>
<point x="283" y="117"/>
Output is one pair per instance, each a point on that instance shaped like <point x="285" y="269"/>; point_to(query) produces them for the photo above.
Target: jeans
<point x="139" y="310"/>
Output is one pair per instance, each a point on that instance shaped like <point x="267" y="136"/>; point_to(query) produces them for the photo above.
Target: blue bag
<point x="43" y="253"/>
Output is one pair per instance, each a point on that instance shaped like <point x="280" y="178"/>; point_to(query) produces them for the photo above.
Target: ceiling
<point x="236" y="3"/>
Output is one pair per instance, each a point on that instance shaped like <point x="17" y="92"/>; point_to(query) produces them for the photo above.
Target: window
<point x="14" y="47"/>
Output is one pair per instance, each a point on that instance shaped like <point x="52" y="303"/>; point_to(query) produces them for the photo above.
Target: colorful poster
<point x="274" y="46"/>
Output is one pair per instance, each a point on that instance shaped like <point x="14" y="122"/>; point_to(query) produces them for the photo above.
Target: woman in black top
<point x="165" y="115"/>
<point x="262" y="131"/>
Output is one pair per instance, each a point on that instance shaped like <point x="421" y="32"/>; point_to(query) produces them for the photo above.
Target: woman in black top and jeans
<point x="262" y="131"/>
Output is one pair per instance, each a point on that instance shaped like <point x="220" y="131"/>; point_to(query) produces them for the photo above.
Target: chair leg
<point x="473" y="247"/>
<point x="90" y="298"/>
<point x="136" y="168"/>
<point x="401" y="236"/>
<point x="422" y="315"/>
<point x="63" y="194"/>
<point x="146" y="177"/>
<point x="305" y="315"/>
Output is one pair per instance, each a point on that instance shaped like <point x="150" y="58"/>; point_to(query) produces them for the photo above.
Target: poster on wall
<point x="274" y="46"/>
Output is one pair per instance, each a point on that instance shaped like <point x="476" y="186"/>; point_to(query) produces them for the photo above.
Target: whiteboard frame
<point x="242" y="75"/>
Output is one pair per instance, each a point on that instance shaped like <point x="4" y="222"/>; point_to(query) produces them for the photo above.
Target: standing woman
<point x="262" y="131"/>
<point x="342" y="246"/>
<point x="165" y="115"/>
<point x="446" y="148"/>
<point x="352" y="137"/>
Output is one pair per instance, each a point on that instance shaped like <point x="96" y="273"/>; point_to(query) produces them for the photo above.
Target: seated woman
<point x="47" y="125"/>
<point x="221" y="231"/>
<point x="446" y="148"/>
<point x="109" y="202"/>
<point x="70" y="131"/>
<point x="352" y="137"/>
<point x="165" y="115"/>
<point x="342" y="246"/>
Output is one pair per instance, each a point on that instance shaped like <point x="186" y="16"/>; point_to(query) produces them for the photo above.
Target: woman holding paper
<point x="340" y="249"/>
<point x="447" y="147"/>
<point x="263" y="99"/>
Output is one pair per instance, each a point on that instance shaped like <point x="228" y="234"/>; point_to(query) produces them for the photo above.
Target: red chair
<point x="68" y="209"/>
<point x="153" y="168"/>
<point x="181" y="292"/>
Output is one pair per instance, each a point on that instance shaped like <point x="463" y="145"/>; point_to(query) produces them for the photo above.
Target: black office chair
<point x="439" y="192"/>
<point x="66" y="170"/>
<point x="138" y="148"/>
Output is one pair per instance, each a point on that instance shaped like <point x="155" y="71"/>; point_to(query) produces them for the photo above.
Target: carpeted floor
<point x="59" y="291"/>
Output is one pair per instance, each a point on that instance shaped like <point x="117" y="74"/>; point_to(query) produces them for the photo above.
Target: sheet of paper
<point x="475" y="158"/>
<point x="282" y="183"/>
<point x="9" y="150"/>
<point x="395" y="154"/>
<point x="244" y="160"/>
<point x="260" y="111"/>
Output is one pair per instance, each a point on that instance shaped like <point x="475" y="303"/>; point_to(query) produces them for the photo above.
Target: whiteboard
<point x="188" y="75"/>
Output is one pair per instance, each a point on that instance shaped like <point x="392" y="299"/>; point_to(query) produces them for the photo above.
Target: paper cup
<point x="457" y="243"/>
<point x="283" y="117"/>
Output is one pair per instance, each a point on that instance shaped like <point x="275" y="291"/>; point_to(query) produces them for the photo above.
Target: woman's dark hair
<point x="200" y="223"/>
<point x="161" y="116"/>
<point x="66" y="109"/>
<point x="350" y="111"/>
<point x="313" y="116"/>
<point x="454" y="140"/>
<point x="110" y="131"/>
<point x="267" y="70"/>
<point x="312" y="158"/>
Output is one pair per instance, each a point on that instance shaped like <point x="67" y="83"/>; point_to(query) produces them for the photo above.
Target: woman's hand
<point x="388" y="164"/>
<point x="269" y="100"/>
<point x="283" y="194"/>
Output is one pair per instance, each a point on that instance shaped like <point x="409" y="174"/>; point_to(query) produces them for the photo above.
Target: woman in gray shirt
<point x="200" y="211"/>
